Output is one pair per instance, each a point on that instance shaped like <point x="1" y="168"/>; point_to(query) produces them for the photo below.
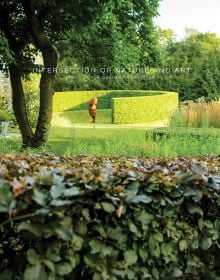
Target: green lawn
<point x="119" y="142"/>
<point x="73" y="134"/>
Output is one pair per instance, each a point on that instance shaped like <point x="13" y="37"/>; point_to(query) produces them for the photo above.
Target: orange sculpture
<point x="92" y="108"/>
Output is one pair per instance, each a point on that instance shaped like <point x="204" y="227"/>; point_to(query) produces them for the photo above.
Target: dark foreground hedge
<point x="99" y="218"/>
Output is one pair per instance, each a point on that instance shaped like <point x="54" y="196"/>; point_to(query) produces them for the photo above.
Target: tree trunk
<point x="43" y="43"/>
<point x="45" y="112"/>
<point x="19" y="107"/>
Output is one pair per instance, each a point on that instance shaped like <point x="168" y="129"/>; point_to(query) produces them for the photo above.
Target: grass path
<point x="60" y="121"/>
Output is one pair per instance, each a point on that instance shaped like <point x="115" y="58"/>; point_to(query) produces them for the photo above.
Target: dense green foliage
<point x="123" y="36"/>
<point x="193" y="133"/>
<point x="103" y="218"/>
<point x="144" y="109"/>
<point x="5" y="108"/>
<point x="191" y="65"/>
<point x="32" y="92"/>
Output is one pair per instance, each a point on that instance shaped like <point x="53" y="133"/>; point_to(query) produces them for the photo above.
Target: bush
<point x="32" y="93"/>
<point x="4" y="116"/>
<point x="197" y="133"/>
<point x="145" y="108"/>
<point x="97" y="218"/>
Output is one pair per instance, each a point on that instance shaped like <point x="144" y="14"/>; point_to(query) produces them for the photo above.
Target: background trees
<point x="122" y="36"/>
<point x="197" y="51"/>
<point x="189" y="66"/>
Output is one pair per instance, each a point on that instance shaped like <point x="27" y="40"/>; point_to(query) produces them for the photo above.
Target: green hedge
<point x="118" y="219"/>
<point x="145" y="108"/>
<point x="197" y="133"/>
<point x="127" y="106"/>
<point x="78" y="100"/>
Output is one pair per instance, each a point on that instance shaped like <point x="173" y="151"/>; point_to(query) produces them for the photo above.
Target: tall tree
<point x="194" y="64"/>
<point x="31" y="26"/>
<point x="122" y="37"/>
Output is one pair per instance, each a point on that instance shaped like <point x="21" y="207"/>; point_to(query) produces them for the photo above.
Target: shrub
<point x="4" y="116"/>
<point x="145" y="108"/>
<point x="32" y="92"/>
<point x="97" y="218"/>
<point x="196" y="133"/>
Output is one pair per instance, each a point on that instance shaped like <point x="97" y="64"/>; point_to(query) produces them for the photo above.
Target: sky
<point x="203" y="15"/>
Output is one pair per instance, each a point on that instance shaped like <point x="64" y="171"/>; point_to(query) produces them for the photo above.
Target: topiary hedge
<point x="109" y="218"/>
<point x="127" y="106"/>
<point x="145" y="108"/>
<point x="78" y="100"/>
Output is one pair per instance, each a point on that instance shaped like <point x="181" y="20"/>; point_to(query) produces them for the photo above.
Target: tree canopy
<point x="29" y="26"/>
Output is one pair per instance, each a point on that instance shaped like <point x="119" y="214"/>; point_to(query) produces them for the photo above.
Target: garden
<point x="109" y="149"/>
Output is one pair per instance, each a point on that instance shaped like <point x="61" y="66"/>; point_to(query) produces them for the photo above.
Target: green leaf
<point x="130" y="257"/>
<point x="183" y="245"/>
<point x="74" y="260"/>
<point x="141" y="198"/>
<point x="145" y="273"/>
<point x="33" y="257"/>
<point x="77" y="242"/>
<point x="64" y="233"/>
<point x="132" y="227"/>
<point x="56" y="191"/>
<point x="158" y="236"/>
<point x="58" y="180"/>
<point x="176" y="273"/>
<point x="143" y="254"/>
<point x="39" y="197"/>
<point x="206" y="243"/>
<point x="64" y="268"/>
<point x="60" y="203"/>
<point x="200" y="224"/>
<point x="131" y="190"/>
<point x="155" y="273"/>
<point x="154" y="247"/>
<point x="144" y="217"/>
<point x="46" y="176"/>
<point x="194" y="193"/>
<point x="49" y="264"/>
<point x="99" y="247"/>
<point x="36" y="272"/>
<point x="193" y="209"/>
<point x="5" y="198"/>
<point x="53" y="251"/>
<point x="108" y="207"/>
<point x="35" y="229"/>
<point x="74" y="191"/>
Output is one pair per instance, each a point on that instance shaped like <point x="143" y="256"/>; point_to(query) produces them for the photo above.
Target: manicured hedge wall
<point x="78" y="100"/>
<point x="144" y="109"/>
<point x="127" y="106"/>
<point x="93" y="218"/>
